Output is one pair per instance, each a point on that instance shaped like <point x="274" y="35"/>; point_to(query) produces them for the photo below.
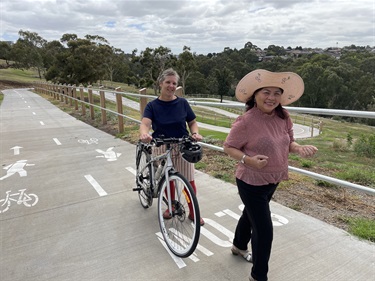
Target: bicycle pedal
<point x="137" y="189"/>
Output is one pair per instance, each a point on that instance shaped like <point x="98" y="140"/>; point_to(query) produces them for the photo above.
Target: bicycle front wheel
<point x="180" y="226"/>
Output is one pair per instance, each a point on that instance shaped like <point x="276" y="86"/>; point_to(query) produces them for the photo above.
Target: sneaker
<point x="244" y="253"/>
<point x="167" y="215"/>
<point x="192" y="219"/>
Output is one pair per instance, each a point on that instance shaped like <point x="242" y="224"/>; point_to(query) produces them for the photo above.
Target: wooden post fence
<point x="119" y="110"/>
<point x="142" y="101"/>
<point x="102" y="104"/>
<point x="82" y="97"/>
<point x="91" y="101"/>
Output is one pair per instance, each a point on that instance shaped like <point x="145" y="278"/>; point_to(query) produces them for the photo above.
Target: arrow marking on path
<point x="16" y="149"/>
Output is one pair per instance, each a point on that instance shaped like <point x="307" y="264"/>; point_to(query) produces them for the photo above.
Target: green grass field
<point x="18" y="75"/>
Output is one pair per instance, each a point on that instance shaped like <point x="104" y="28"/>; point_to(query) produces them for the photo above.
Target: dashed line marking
<point x="96" y="185"/>
<point x="42" y="123"/>
<point x="57" y="141"/>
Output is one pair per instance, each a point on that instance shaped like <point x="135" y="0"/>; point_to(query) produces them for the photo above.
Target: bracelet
<point x="243" y="159"/>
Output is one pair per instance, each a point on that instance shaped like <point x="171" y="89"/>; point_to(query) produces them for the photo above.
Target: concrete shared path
<point x="68" y="212"/>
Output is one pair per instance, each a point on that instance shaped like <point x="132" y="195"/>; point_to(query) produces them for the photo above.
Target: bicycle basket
<point x="191" y="152"/>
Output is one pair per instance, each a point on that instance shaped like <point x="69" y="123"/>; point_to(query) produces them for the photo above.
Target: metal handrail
<point x="319" y="111"/>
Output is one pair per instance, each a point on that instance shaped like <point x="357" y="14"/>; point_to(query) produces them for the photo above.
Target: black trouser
<point x="255" y="224"/>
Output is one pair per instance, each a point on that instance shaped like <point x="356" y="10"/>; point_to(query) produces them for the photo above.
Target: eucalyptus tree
<point x="185" y="65"/>
<point x="83" y="60"/>
<point x="312" y="74"/>
<point x="114" y="61"/>
<point x="368" y="66"/>
<point x="355" y="87"/>
<point x="5" y="50"/>
<point x="154" y="62"/>
<point x="205" y="64"/>
<point x="224" y="78"/>
<point x="51" y="50"/>
<point x="197" y="84"/>
<point x="27" y="51"/>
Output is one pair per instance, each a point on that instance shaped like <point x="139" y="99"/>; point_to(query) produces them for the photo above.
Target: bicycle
<point x="21" y="197"/>
<point x="89" y="141"/>
<point x="157" y="178"/>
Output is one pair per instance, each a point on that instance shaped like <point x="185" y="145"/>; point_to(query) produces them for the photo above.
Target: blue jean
<point x="255" y="224"/>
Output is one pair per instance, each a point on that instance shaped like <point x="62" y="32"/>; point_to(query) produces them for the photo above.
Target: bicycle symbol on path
<point x="17" y="167"/>
<point x="21" y="197"/>
<point x="89" y="141"/>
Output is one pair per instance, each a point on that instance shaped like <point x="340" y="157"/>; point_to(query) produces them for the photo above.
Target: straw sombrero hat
<point x="291" y="83"/>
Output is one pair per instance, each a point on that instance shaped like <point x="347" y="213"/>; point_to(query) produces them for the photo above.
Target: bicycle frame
<point x="167" y="167"/>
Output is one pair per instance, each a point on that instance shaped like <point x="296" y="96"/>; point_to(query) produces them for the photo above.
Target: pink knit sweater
<point x="257" y="133"/>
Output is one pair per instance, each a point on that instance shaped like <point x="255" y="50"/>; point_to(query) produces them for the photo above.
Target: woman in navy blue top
<point x="170" y="116"/>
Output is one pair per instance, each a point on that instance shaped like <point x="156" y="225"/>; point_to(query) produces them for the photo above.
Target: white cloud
<point x="204" y="25"/>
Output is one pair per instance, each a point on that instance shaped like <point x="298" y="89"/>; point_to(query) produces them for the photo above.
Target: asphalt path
<point x="77" y="217"/>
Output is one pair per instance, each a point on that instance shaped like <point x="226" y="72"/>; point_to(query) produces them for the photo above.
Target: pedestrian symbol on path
<point x="110" y="155"/>
<point x="17" y="167"/>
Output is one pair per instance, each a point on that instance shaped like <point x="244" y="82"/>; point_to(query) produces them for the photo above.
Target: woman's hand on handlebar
<point x="145" y="138"/>
<point x="196" y="137"/>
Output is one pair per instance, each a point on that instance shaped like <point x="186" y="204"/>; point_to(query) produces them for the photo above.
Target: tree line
<point x="346" y="81"/>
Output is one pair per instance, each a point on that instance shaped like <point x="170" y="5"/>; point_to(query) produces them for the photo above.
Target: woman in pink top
<point x="261" y="140"/>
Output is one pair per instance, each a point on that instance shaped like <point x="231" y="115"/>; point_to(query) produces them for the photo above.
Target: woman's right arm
<point x="144" y="130"/>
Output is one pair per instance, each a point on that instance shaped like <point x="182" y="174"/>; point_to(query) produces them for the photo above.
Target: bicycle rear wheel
<point x="143" y="178"/>
<point x="181" y="230"/>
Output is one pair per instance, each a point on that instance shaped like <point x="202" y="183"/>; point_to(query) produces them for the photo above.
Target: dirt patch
<point x="4" y="85"/>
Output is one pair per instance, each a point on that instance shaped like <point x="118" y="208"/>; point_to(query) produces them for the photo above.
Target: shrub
<point x="340" y="145"/>
<point x="349" y="139"/>
<point x="361" y="176"/>
<point x="365" y="146"/>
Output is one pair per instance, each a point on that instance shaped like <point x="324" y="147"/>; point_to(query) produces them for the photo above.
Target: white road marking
<point x="131" y="170"/>
<point x="57" y="141"/>
<point x="179" y="261"/>
<point x="232" y="214"/>
<point x="42" y="123"/>
<point x="219" y="214"/>
<point x="96" y="185"/>
<point x="34" y="113"/>
<point x="16" y="149"/>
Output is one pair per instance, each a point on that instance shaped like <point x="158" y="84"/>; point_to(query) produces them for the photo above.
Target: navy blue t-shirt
<point x="169" y="117"/>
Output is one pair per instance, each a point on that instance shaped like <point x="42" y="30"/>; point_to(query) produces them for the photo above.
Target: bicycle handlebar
<point x="161" y="140"/>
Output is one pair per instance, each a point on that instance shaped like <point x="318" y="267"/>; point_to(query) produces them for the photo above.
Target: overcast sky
<point x="206" y="26"/>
